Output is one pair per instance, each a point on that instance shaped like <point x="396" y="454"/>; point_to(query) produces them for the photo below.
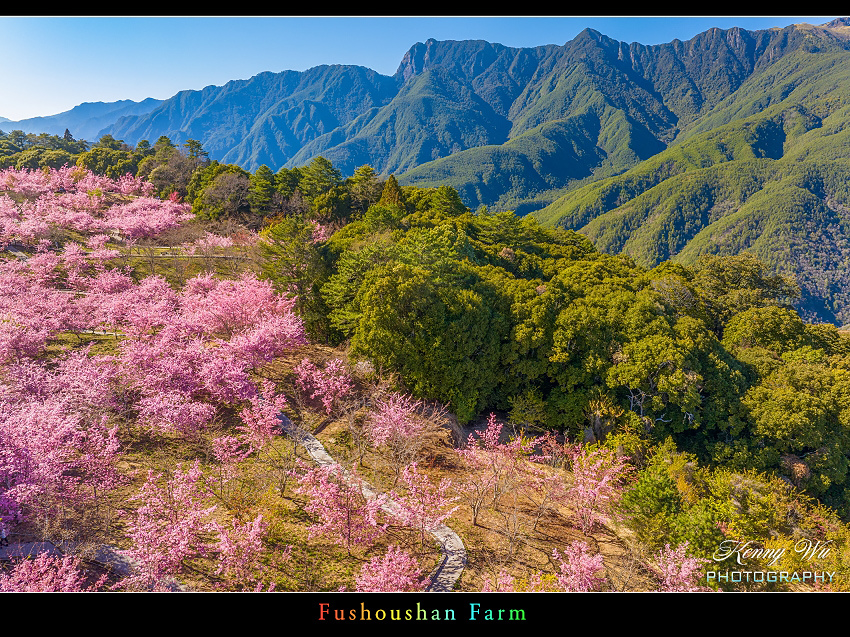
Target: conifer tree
<point x="391" y="195"/>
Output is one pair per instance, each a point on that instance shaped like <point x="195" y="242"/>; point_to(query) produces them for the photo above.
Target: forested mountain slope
<point x="764" y="171"/>
<point x="266" y="119"/>
<point x="631" y="100"/>
<point x="465" y="112"/>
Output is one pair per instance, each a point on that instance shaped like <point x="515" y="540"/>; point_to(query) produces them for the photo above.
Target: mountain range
<point x="85" y="121"/>
<point x="731" y="141"/>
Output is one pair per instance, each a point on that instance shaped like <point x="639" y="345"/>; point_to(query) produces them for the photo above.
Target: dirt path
<point x="449" y="571"/>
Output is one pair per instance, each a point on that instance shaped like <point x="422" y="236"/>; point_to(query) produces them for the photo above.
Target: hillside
<point x="772" y="183"/>
<point x="167" y="425"/>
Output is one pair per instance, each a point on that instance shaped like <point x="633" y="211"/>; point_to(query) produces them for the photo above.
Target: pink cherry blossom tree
<point x="335" y="497"/>
<point x="395" y="571"/>
<point x="598" y="477"/>
<point x="261" y="420"/>
<point x="678" y="572"/>
<point x="544" y="488"/>
<point x="398" y="427"/>
<point x="239" y="548"/>
<point x="578" y="568"/>
<point x="422" y="504"/>
<point x="48" y="574"/>
<point x="167" y="529"/>
<point x="329" y="385"/>
<point x="496" y="467"/>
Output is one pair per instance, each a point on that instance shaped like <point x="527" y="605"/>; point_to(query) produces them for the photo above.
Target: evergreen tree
<point x="287" y="181"/>
<point x="391" y="195"/>
<point x="319" y="177"/>
<point x="365" y="189"/>
<point x="196" y="151"/>
<point x="261" y="190"/>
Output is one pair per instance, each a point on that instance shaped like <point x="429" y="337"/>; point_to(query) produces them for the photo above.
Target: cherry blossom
<point x="395" y="571"/>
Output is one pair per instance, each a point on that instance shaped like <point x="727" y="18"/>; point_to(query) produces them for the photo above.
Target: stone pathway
<point x="449" y="570"/>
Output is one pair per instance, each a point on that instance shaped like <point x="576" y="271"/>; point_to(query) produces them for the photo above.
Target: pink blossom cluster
<point x="497" y="467"/>
<point x="182" y="355"/>
<point x="143" y="217"/>
<point x="185" y="351"/>
<point x="75" y="199"/>
<point x="192" y="350"/>
<point x="678" y="572"/>
<point x="578" y="573"/>
<point x="423" y="505"/>
<point x="598" y="477"/>
<point x="488" y="444"/>
<point x="552" y="452"/>
<point x="70" y="179"/>
<point x="394" y="420"/>
<point x="56" y="440"/>
<point x="239" y="546"/>
<point x="336" y="499"/>
<point x="130" y="185"/>
<point x="578" y="568"/>
<point x="173" y="524"/>
<point x="328" y="385"/>
<point x="56" y="443"/>
<point x="18" y="223"/>
<point x="321" y="233"/>
<point x="505" y="583"/>
<point x="260" y="419"/>
<point x="47" y="574"/>
<point x="28" y="222"/>
<point x="212" y="241"/>
<point x="32" y="309"/>
<point x="395" y="571"/>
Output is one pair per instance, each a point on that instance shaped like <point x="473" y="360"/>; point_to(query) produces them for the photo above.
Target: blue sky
<point x="51" y="64"/>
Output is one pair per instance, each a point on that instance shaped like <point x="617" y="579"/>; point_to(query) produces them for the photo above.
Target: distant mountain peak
<point x="837" y="23"/>
<point x="593" y="33"/>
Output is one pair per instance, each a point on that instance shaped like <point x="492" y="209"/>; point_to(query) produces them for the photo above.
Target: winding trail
<point x="450" y="568"/>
